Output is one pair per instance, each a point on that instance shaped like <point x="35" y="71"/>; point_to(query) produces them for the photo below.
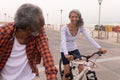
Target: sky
<point x="110" y="10"/>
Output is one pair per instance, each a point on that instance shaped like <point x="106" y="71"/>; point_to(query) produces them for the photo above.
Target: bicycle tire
<point x="60" y="69"/>
<point x="94" y="77"/>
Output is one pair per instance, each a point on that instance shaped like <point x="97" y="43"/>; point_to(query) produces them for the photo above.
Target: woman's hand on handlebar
<point x="69" y="57"/>
<point x="103" y="50"/>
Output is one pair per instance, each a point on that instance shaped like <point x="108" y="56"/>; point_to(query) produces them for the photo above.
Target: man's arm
<point x="48" y="62"/>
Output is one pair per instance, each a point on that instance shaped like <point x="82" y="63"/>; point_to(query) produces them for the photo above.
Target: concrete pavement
<point x="108" y="68"/>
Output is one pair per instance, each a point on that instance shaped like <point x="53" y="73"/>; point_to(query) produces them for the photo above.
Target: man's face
<point x="36" y="29"/>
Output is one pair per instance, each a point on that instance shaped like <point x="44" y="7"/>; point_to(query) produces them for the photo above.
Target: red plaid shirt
<point x="36" y="48"/>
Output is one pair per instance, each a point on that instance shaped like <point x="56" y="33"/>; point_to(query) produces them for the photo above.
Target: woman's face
<point x="74" y="18"/>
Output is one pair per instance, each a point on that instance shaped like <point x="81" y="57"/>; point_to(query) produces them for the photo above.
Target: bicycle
<point x="88" y="70"/>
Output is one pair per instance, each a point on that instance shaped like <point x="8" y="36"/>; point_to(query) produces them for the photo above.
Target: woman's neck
<point x="72" y="25"/>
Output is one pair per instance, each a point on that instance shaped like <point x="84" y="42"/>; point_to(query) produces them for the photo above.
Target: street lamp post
<point x="61" y="17"/>
<point x="99" y="28"/>
<point x="5" y="17"/>
<point x="47" y="19"/>
<point x="9" y="19"/>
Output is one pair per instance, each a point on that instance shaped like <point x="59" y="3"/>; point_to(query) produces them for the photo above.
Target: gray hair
<point x="80" y="22"/>
<point x="28" y="15"/>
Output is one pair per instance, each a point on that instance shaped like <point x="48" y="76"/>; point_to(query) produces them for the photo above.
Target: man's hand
<point x="69" y="57"/>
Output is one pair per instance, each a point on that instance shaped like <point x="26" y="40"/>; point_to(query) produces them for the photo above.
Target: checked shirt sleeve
<point x="50" y="69"/>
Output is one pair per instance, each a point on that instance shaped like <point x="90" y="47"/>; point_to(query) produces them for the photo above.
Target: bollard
<point x="118" y="36"/>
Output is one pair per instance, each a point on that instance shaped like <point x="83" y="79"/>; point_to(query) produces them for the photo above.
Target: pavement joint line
<point x="108" y="59"/>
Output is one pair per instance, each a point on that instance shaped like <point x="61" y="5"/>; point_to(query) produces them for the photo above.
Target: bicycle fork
<point x="82" y="73"/>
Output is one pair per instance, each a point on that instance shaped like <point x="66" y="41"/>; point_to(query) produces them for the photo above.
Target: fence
<point x="107" y="33"/>
<point x="118" y="36"/>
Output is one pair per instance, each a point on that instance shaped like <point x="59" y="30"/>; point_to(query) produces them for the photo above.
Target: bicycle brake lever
<point x="100" y="53"/>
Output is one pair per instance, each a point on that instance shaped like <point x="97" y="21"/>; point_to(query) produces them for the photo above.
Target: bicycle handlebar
<point x="99" y="53"/>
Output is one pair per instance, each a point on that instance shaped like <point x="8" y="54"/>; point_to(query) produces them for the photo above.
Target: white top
<point x="68" y="42"/>
<point x="17" y="66"/>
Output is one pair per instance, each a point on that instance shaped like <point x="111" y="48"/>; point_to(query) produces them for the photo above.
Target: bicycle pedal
<point x="69" y="76"/>
<point x="62" y="73"/>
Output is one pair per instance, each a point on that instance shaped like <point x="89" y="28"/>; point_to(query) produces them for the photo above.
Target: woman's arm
<point x="90" y="39"/>
<point x="63" y="40"/>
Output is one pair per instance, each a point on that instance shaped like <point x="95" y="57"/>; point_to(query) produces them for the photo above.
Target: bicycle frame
<point x="87" y="66"/>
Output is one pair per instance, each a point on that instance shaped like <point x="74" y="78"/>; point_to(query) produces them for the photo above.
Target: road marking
<point x="108" y="59"/>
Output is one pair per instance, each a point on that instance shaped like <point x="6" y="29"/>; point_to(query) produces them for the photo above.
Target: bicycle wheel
<point x="91" y="75"/>
<point x="61" y="69"/>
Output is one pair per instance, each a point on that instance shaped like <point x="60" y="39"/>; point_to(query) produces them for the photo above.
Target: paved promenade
<point x="108" y="68"/>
